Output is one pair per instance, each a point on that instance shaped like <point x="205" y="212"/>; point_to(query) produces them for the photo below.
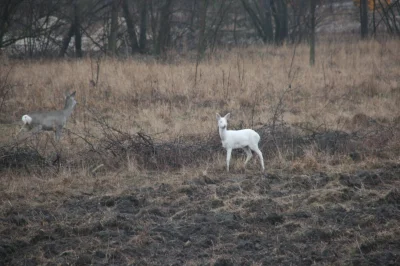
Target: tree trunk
<point x="364" y="18"/>
<point x="153" y="24"/>
<point x="312" y="32"/>
<point x="282" y="15"/>
<point x="143" y="27"/>
<point x="164" y="29"/>
<point x="279" y="12"/>
<point x="77" y="29"/>
<point x="130" y="27"/>
<point x="234" y="27"/>
<point x="267" y="25"/>
<point x="201" y="42"/>
<point x="112" y="38"/>
<point x="373" y="17"/>
<point x="66" y="40"/>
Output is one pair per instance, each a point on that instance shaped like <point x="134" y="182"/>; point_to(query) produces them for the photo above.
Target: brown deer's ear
<point x="72" y="94"/>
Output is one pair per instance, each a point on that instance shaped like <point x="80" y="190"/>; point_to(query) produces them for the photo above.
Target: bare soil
<point x="243" y="218"/>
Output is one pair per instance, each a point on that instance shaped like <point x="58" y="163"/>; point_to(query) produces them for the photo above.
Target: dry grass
<point x="349" y="79"/>
<point x="351" y="85"/>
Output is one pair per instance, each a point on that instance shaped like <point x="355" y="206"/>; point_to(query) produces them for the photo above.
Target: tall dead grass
<point x="166" y="100"/>
<point x="349" y="78"/>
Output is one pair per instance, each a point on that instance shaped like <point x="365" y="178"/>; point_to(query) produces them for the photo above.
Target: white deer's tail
<point x="26" y="119"/>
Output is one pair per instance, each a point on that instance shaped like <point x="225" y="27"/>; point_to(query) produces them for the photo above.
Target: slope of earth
<point x="213" y="219"/>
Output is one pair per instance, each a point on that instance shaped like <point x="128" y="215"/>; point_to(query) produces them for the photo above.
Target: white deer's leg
<point x="261" y="159"/>
<point x="259" y="153"/>
<point x="249" y="155"/>
<point x="228" y="158"/>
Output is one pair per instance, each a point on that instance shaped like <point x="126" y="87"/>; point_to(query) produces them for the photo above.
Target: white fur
<point x="26" y="119"/>
<point x="246" y="139"/>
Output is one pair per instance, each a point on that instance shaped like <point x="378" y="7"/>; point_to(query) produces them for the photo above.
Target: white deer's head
<point x="223" y="121"/>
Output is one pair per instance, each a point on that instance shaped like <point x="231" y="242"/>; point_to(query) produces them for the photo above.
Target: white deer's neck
<point x="222" y="133"/>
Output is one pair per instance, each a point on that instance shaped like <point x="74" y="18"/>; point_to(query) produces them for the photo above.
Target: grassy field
<point x="142" y="178"/>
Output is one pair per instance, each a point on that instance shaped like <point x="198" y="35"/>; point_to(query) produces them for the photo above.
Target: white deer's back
<point x="240" y="138"/>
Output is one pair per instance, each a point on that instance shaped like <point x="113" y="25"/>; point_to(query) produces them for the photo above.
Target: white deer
<point x="51" y="120"/>
<point x="246" y="139"/>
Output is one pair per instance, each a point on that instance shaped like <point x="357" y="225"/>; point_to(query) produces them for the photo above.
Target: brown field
<point x="142" y="180"/>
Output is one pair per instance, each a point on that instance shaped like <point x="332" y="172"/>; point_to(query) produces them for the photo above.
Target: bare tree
<point x="77" y="29"/>
<point x="30" y="24"/>
<point x="201" y="42"/>
<point x="390" y="12"/>
<point x="385" y="15"/>
<point x="313" y="5"/>
<point x="268" y="30"/>
<point x="374" y="17"/>
<point x="74" y="30"/>
<point x="138" y="44"/>
<point x="260" y="13"/>
<point x="280" y="14"/>
<point x="220" y="15"/>
<point x="299" y="20"/>
<point x="112" y="37"/>
<point x="130" y="27"/>
<point x="164" y="29"/>
<point x="143" y="26"/>
<point x="8" y="9"/>
<point x="364" y="18"/>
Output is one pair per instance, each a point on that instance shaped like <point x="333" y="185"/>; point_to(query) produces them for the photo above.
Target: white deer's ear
<point x="218" y="116"/>
<point x="227" y="116"/>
